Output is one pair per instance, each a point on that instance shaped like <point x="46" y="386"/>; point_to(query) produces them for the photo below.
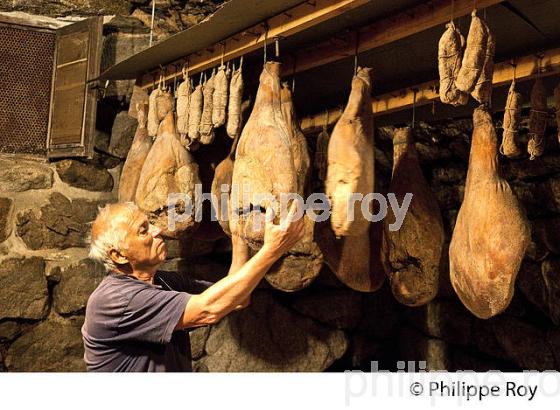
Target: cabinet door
<point x="73" y="99"/>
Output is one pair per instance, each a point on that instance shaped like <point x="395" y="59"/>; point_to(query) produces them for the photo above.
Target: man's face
<point x="143" y="245"/>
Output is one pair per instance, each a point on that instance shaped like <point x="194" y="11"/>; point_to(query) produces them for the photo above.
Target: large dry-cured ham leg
<point x="264" y="163"/>
<point x="221" y="188"/>
<point x="491" y="233"/>
<point x="302" y="161"/>
<point x="169" y="169"/>
<point x="141" y="145"/>
<point x="350" y="159"/>
<point x="350" y="171"/>
<point x="344" y="256"/>
<point x="412" y="254"/>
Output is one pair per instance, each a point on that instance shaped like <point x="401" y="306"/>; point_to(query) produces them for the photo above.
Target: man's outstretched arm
<point x="228" y="293"/>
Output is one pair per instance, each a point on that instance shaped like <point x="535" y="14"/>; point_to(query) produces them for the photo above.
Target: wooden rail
<point x="527" y="68"/>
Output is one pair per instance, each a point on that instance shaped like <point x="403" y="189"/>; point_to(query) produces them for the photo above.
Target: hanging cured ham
<point x="350" y="171"/>
<point x="221" y="188"/>
<point x="344" y="256"/>
<point x="302" y="161"/>
<point x="350" y="158"/>
<point x="137" y="154"/>
<point x="491" y="233"/>
<point x="412" y="254"/>
<point x="264" y="163"/>
<point x="264" y="160"/>
<point x="169" y="169"/>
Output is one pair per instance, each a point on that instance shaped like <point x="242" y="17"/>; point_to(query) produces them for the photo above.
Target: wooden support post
<point x="527" y="69"/>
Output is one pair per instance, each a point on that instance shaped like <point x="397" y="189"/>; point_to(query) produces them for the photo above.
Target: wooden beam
<point x="290" y="22"/>
<point x="411" y="21"/>
<point x="526" y="69"/>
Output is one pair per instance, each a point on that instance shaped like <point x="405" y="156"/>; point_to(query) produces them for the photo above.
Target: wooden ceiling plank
<point x="409" y="22"/>
<point x="526" y="69"/>
<point x="285" y="24"/>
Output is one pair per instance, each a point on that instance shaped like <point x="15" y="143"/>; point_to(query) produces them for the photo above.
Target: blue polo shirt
<point x="129" y="324"/>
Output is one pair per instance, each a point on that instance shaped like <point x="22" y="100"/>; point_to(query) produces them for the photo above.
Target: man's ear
<point x="118" y="257"/>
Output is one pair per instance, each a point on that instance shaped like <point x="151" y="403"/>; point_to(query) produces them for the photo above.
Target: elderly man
<point x="137" y="316"/>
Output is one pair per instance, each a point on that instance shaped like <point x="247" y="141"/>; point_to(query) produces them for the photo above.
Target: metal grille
<point x="26" y="64"/>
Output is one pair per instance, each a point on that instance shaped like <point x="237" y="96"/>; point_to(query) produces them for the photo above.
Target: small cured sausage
<point x="220" y="96"/>
<point x="183" y="96"/>
<point x="483" y="89"/>
<point x="474" y="56"/>
<point x="537" y="120"/>
<point x="206" y="128"/>
<point x="512" y="119"/>
<point x="233" y="127"/>
<point x="450" y="54"/>
<point x="153" y="116"/>
<point x="195" y="113"/>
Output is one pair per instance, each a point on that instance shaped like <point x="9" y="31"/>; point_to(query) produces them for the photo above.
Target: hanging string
<point x="265" y="39"/>
<point x="452" y="10"/>
<point x="356" y="52"/>
<point x="153" y="19"/>
<point x="414" y="107"/>
<point x="294" y="75"/>
<point x="326" y="119"/>
<point x="175" y="80"/>
<point x="223" y="53"/>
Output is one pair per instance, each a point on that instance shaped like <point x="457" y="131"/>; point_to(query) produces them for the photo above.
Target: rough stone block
<point x="9" y="330"/>
<point x="334" y="307"/>
<point x="269" y="337"/>
<point x="23" y="288"/>
<point x="524" y="343"/>
<point x="122" y="134"/>
<point x="51" y="346"/>
<point x="59" y="224"/>
<point x="6" y="214"/>
<point x="85" y="176"/>
<point x="19" y="176"/>
<point x="76" y="283"/>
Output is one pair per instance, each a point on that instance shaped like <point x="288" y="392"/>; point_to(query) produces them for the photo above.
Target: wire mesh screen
<point x="26" y="64"/>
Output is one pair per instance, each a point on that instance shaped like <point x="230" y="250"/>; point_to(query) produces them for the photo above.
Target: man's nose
<point x="155" y="231"/>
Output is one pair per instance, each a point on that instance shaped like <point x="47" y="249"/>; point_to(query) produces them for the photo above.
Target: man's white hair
<point x="110" y="238"/>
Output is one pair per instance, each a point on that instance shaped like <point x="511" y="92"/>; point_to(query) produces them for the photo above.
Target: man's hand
<point x="278" y="239"/>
